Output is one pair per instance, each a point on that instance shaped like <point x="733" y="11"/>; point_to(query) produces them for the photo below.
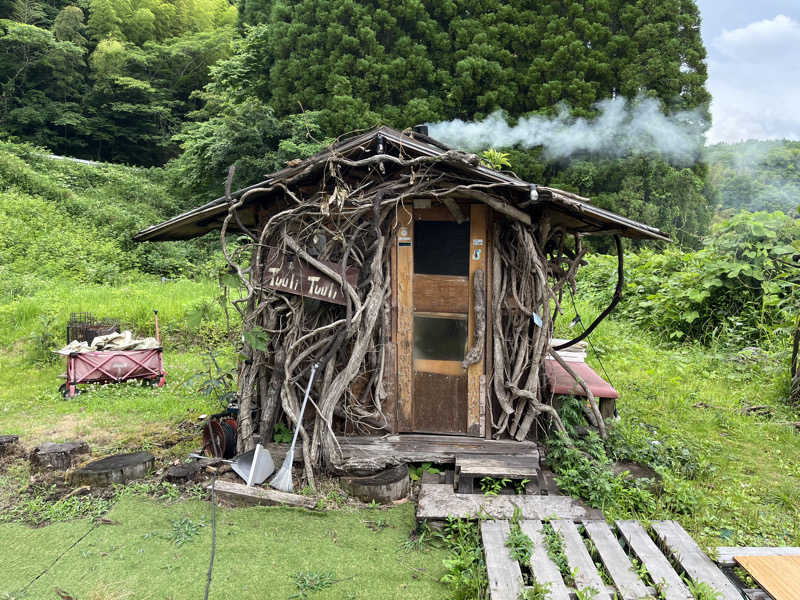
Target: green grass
<point x="746" y="469"/>
<point x="261" y="552"/>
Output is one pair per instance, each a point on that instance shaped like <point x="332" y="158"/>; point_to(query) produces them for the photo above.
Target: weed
<point x="184" y="530"/>
<point x="39" y="510"/>
<point x="519" y="486"/>
<point x="519" y="545"/>
<point x="587" y="593"/>
<point x="466" y="567"/>
<point x="415" y="472"/>
<point x="312" y="581"/>
<point x="281" y="434"/>
<point x="418" y="538"/>
<point x="538" y="591"/>
<point x="492" y="487"/>
<point x="701" y="590"/>
<point x="214" y="382"/>
<point x="554" y="542"/>
<point x="377" y="525"/>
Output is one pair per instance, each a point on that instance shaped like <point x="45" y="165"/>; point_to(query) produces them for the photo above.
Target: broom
<point x="283" y="478"/>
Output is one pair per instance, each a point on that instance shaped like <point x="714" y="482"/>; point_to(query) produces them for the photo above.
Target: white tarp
<point x="112" y="341"/>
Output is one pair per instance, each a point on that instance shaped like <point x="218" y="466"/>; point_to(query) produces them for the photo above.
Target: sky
<point x="753" y="68"/>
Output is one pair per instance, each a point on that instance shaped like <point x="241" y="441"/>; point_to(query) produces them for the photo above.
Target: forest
<point x="117" y="114"/>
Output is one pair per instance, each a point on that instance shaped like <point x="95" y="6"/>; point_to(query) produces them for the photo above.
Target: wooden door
<point x="437" y="258"/>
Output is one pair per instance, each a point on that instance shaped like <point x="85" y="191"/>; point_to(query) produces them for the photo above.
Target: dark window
<point x="441" y="248"/>
<point x="437" y="338"/>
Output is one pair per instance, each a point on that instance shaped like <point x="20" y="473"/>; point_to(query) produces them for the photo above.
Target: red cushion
<point x="563" y="383"/>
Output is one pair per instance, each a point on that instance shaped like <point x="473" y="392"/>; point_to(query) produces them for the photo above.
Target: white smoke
<point x="620" y="128"/>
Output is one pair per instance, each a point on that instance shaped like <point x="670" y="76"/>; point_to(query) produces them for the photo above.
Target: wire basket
<point x="84" y="327"/>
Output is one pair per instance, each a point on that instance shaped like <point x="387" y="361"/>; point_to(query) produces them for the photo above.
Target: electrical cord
<point x="213" y="534"/>
<point x="591" y="345"/>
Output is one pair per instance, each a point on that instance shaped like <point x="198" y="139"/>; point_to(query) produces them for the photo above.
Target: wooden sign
<point x="289" y="273"/>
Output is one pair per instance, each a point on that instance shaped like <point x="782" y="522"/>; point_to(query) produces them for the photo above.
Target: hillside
<point x="755" y="175"/>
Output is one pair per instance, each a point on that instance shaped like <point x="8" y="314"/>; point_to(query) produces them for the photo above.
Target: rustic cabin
<point x="424" y="284"/>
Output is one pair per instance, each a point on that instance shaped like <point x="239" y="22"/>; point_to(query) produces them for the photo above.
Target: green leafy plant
<point x="518" y="543"/>
<point x="184" y="530"/>
<point x="519" y="486"/>
<point x="494" y="159"/>
<point x="281" y="434"/>
<point x="701" y="590"/>
<point x="554" y="542"/>
<point x="214" y="381"/>
<point x="587" y="593"/>
<point x="415" y="472"/>
<point x="466" y="575"/>
<point x="307" y="582"/>
<point x="492" y="487"/>
<point x="537" y="591"/>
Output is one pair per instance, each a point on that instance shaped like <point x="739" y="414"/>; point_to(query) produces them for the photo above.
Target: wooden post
<point x="405" y="317"/>
<point x="477" y="261"/>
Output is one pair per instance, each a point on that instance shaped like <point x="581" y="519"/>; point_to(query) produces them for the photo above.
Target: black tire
<point x="63" y="390"/>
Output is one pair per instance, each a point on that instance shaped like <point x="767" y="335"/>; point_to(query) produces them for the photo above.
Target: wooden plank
<point x="437" y="502"/>
<point x="544" y="569"/>
<point x="477" y="261"/>
<point x="580" y="562"/>
<point x="505" y="577"/>
<point x="778" y="575"/>
<point x="240" y="494"/>
<point x="692" y="560"/>
<point x="725" y="554"/>
<point x="616" y="562"/>
<point x="441" y="367"/>
<point x="405" y="318"/>
<point x="666" y="580"/>
<point x="489" y="353"/>
<point x="498" y="466"/>
<point x="441" y="293"/>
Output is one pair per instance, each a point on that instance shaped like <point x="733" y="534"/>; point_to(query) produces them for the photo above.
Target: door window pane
<point x="441" y="248"/>
<point x="439" y="338"/>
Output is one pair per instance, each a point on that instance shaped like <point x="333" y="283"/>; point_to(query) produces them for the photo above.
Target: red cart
<point x="114" y="366"/>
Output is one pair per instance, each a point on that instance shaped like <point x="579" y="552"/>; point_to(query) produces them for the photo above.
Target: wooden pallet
<point x="616" y="546"/>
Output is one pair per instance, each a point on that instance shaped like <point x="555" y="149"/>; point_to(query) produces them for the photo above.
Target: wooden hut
<point x="423" y="282"/>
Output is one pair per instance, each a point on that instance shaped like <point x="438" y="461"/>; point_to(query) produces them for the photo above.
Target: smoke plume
<point x="621" y="128"/>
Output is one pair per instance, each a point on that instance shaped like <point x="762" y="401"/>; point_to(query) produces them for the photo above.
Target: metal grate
<point x="84" y="327"/>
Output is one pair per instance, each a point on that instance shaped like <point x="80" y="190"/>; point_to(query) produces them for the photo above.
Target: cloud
<point x="754" y="78"/>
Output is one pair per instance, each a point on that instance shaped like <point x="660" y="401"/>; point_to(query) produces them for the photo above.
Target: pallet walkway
<point x="615" y="547"/>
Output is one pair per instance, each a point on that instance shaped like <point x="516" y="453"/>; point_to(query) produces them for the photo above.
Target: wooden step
<point x="616" y="562"/>
<point x="580" y="562"/>
<point x="471" y="468"/>
<point x="542" y="566"/>
<point x="439" y="501"/>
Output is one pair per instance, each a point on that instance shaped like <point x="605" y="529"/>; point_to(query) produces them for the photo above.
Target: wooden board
<point x="580" y="562"/>
<point x="405" y="318"/>
<point x="505" y="577"/>
<point x="477" y="261"/>
<point x="544" y="569"/>
<point x="439" y="501"/>
<point x="497" y="466"/>
<point x="778" y="575"/>
<point x="616" y="562"/>
<point x="661" y="572"/>
<point x="725" y="554"/>
<point x="437" y="293"/>
<point x="692" y="560"/>
<point x="240" y="494"/>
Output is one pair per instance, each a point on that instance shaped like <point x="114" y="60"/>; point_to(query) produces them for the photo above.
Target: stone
<point x="58" y="457"/>
<point x="118" y="468"/>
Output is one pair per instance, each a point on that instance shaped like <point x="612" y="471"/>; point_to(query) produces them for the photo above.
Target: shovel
<point x="253" y="466"/>
<point x="283" y="479"/>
